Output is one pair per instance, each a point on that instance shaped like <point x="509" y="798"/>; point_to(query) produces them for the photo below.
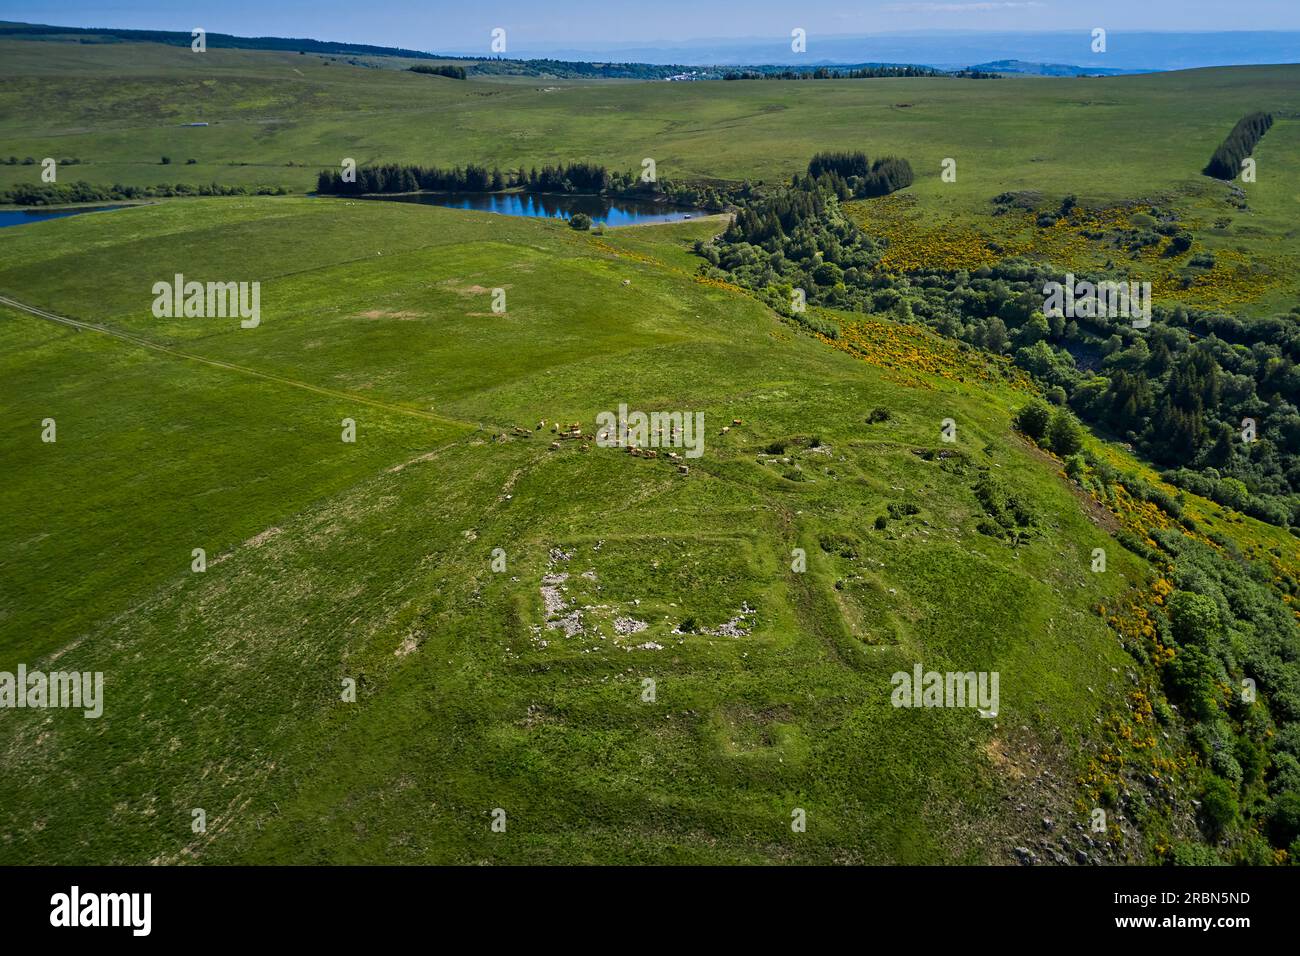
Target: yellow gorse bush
<point x="908" y="353"/>
<point x="1079" y="241"/>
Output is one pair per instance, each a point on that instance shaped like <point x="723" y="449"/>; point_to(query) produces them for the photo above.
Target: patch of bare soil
<point x="257" y="540"/>
<point x="472" y="289"/>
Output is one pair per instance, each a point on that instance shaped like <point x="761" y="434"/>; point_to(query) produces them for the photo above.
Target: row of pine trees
<point x="402" y="178"/>
<point x="851" y="175"/>
<point x="1226" y="161"/>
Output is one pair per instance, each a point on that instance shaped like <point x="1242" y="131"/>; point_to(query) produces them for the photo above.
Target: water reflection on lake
<point x="612" y="211"/>
<point x="20" y="217"/>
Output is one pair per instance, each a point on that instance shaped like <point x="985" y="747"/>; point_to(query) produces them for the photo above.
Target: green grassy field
<point x="373" y="561"/>
<point x="1106" y="138"/>
<point x="278" y="118"/>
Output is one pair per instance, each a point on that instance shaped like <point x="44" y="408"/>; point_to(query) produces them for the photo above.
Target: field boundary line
<point x="230" y="366"/>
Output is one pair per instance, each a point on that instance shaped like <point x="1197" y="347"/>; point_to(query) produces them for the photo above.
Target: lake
<point x="609" y="210"/>
<point x="19" y="217"/>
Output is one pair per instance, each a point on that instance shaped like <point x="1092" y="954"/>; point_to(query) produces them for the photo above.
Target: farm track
<point x="230" y="366"/>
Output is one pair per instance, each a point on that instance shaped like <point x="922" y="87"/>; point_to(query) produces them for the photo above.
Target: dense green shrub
<point x="452" y="72"/>
<point x="1284" y="820"/>
<point x="1219" y="807"/>
<point x="1064" y="434"/>
<point x="1033" y="419"/>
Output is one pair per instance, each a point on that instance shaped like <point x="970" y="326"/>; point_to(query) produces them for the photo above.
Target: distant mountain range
<point x="1049" y="69"/>
<point x="1045" y="54"/>
<point x="950" y="50"/>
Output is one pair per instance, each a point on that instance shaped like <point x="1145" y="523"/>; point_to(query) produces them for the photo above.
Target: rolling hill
<point x="463" y="612"/>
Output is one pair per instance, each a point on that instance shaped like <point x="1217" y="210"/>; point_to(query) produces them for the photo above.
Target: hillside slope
<point x="374" y="561"/>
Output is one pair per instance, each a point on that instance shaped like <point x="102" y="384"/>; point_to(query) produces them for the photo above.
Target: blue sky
<point x="438" y="25"/>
